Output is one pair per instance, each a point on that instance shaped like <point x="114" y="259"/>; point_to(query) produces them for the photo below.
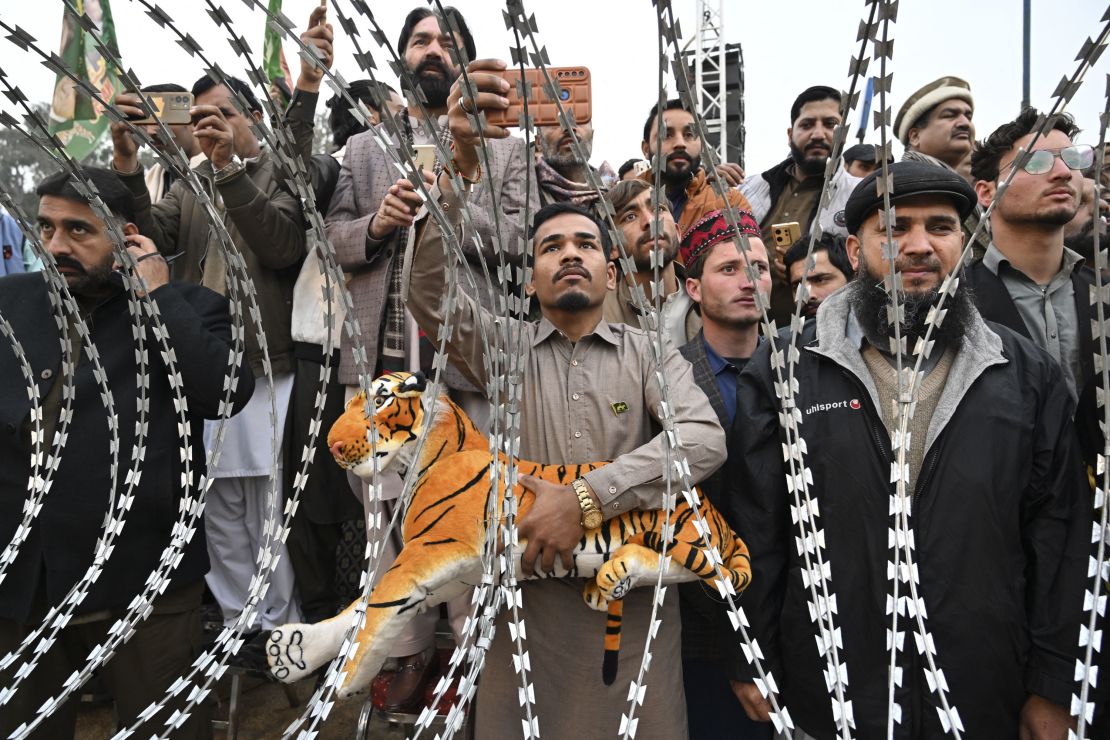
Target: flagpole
<point x="1025" y="31"/>
<point x="865" y="109"/>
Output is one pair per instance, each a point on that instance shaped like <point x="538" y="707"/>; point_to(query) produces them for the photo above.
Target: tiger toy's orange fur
<point x="444" y="532"/>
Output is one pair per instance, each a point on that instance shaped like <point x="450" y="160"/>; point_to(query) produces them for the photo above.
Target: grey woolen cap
<point x="909" y="179"/>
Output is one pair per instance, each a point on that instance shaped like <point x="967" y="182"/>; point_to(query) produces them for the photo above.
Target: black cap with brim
<point x="909" y="179"/>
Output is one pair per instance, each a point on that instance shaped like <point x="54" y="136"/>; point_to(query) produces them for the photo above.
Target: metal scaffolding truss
<point x="709" y="70"/>
<point x="718" y="72"/>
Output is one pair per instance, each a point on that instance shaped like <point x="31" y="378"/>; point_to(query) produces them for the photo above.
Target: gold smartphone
<point x="171" y="107"/>
<point x="785" y="235"/>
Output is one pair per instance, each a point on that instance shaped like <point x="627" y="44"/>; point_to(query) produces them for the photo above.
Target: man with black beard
<point x="1000" y="530"/>
<point x="689" y="191"/>
<point x="368" y="224"/>
<point x="62" y="545"/>
<point x="561" y="175"/>
<point x="791" y="190"/>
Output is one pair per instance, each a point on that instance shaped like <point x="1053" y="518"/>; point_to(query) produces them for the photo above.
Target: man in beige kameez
<point x="589" y="392"/>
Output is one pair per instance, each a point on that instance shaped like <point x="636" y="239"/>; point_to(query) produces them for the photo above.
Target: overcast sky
<point x="788" y="45"/>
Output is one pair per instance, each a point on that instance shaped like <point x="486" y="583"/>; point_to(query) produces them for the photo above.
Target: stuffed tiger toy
<point x="444" y="531"/>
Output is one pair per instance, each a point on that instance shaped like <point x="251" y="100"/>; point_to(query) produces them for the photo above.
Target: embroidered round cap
<point x="713" y="228"/>
<point x="908" y="179"/>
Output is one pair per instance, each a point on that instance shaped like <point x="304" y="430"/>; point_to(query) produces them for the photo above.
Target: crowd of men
<point x="1004" y="431"/>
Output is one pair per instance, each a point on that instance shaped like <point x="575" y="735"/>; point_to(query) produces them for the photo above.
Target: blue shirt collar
<point x="716" y="363"/>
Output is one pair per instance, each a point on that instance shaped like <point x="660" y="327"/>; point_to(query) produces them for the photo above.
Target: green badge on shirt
<point x="619" y="407"/>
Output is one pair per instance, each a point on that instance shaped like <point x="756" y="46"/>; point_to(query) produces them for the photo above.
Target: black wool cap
<point x="908" y="180"/>
<point x="861" y="153"/>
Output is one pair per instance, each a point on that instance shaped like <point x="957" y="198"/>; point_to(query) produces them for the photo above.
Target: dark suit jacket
<point x="706" y="632"/>
<point x="994" y="303"/>
<point x="694" y="351"/>
<point x="62" y="540"/>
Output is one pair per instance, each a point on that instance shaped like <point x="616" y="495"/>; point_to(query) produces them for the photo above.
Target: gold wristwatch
<point x="591" y="515"/>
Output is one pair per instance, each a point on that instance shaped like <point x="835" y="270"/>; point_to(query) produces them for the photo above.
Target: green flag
<point x="273" y="62"/>
<point x="271" y="48"/>
<point x="78" y="120"/>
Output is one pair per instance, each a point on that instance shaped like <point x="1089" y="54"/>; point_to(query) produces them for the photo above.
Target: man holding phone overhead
<point x="265" y="222"/>
<point x="368" y="223"/>
<point x="172" y="103"/>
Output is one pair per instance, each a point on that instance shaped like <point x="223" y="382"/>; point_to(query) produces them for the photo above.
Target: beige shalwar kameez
<point x="597" y="399"/>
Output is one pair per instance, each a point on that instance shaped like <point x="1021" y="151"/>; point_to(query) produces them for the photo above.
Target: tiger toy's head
<point x="397" y="414"/>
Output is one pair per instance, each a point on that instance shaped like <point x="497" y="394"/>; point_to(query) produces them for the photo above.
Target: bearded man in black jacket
<point x="1000" y="506"/>
<point x="61" y="545"/>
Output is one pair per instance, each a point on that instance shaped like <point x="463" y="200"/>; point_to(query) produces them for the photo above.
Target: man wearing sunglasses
<point x="1028" y="280"/>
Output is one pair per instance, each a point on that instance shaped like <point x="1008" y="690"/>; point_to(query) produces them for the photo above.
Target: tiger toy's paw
<point x="296" y="650"/>
<point x="593" y="598"/>
<point x="629" y="566"/>
<point x="613" y="587"/>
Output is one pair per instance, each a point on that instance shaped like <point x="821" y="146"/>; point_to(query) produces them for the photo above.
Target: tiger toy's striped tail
<point x="612" y="641"/>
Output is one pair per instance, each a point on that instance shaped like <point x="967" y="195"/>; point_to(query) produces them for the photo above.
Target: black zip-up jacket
<point x="995" y="304"/>
<point x="1001" y="518"/>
